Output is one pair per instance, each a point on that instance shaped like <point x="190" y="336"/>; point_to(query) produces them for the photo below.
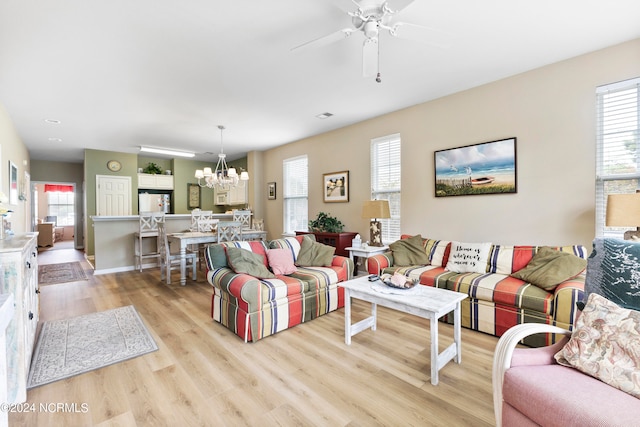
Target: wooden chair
<point x="229" y="231"/>
<point x="202" y="221"/>
<point x="243" y="216"/>
<point x="147" y="227"/>
<point x="171" y="260"/>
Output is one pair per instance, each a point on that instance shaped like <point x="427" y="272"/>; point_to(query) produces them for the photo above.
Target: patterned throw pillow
<point x="606" y="345"/>
<point x="468" y="257"/>
<point x="613" y="271"/>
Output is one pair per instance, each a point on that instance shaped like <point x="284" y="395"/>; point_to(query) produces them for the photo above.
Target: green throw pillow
<point x="409" y="252"/>
<point x="244" y="261"/>
<point x="314" y="254"/>
<point x="549" y="267"/>
<point x="217" y="257"/>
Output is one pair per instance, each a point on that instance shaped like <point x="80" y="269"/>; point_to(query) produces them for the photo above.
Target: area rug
<point x="50" y="274"/>
<point x="81" y="344"/>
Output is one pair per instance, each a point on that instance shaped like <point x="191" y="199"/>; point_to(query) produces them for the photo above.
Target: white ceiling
<point x="123" y="73"/>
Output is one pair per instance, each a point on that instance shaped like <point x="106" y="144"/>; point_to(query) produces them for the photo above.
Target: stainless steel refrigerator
<point x="149" y="202"/>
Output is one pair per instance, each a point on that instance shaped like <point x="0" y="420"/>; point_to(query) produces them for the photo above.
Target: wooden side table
<point x="363" y="252"/>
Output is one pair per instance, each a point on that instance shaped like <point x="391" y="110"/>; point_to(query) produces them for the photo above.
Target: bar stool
<point x="148" y="228"/>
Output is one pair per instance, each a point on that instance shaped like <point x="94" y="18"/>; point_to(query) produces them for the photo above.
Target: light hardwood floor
<point x="203" y="375"/>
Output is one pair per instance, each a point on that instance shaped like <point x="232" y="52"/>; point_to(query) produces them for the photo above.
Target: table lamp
<point x="623" y="210"/>
<point x="375" y="209"/>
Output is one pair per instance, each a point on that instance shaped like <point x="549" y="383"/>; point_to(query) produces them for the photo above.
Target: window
<point x="385" y="182"/>
<point x="62" y="206"/>
<point x="617" y="147"/>
<point x="295" y="194"/>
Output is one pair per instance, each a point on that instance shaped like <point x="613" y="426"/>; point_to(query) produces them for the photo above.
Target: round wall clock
<point x="114" y="165"/>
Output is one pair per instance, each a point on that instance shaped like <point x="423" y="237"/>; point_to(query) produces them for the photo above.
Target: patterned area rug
<point x="50" y="274"/>
<point x="81" y="344"/>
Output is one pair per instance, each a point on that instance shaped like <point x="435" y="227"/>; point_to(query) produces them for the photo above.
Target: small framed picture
<point x="193" y="191"/>
<point x="271" y="190"/>
<point x="335" y="186"/>
<point x="13" y="183"/>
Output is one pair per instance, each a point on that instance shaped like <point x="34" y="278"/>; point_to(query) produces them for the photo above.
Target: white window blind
<point x="62" y="206"/>
<point x="295" y="194"/>
<point x="617" y="147"/>
<point x="385" y="181"/>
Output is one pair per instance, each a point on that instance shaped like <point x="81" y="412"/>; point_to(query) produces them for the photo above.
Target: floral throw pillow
<point x="606" y="345"/>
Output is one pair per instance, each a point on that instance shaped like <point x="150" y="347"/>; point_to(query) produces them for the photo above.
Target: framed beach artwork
<point x="485" y="168"/>
<point x="336" y="186"/>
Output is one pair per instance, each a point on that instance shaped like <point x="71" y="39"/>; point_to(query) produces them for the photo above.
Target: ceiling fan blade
<point x="345" y="5"/>
<point x="421" y="34"/>
<point x="397" y="5"/>
<point x="325" y="40"/>
<point x="370" y="57"/>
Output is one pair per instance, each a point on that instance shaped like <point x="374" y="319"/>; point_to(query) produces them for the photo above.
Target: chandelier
<point x="224" y="177"/>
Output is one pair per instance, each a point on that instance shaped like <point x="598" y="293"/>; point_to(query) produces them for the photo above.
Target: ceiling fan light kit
<point x="369" y="17"/>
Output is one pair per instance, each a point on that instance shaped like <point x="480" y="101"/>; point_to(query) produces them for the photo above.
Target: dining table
<point x="187" y="238"/>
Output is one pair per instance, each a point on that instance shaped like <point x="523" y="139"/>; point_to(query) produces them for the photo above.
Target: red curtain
<point x="60" y="188"/>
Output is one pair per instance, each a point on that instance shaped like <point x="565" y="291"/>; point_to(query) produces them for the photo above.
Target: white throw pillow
<point x="468" y="257"/>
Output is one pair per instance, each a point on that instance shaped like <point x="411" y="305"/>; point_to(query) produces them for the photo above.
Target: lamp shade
<point x="623" y="210"/>
<point x="376" y="209"/>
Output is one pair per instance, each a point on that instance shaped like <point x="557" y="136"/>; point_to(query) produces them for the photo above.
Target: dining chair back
<point x="229" y="231"/>
<point x="171" y="260"/>
<point x="243" y="216"/>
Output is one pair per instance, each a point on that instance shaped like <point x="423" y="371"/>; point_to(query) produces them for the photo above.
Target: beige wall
<point x="551" y="111"/>
<point x="13" y="149"/>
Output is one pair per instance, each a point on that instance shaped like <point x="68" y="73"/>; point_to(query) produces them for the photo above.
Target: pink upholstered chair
<point x="530" y="388"/>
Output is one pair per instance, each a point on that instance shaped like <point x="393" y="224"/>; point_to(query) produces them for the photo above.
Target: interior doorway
<point x="53" y="214"/>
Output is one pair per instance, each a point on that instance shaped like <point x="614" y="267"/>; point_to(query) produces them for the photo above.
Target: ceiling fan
<point x="370" y="17"/>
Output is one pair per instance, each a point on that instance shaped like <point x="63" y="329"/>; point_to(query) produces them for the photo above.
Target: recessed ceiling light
<point x="324" y="115"/>
<point x="167" y="151"/>
<point x="53" y="121"/>
<point x="55" y="139"/>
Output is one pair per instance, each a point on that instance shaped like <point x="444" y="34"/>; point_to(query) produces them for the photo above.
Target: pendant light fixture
<point x="224" y="177"/>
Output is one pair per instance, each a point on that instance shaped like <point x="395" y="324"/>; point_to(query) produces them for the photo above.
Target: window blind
<point x="386" y="182"/>
<point x="617" y="147"/>
<point x="295" y="194"/>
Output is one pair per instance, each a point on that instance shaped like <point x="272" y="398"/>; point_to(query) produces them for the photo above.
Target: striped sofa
<point x="255" y="308"/>
<point x="496" y="300"/>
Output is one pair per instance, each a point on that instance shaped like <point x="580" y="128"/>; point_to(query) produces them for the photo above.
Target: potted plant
<point x="153" y="169"/>
<point x="326" y="223"/>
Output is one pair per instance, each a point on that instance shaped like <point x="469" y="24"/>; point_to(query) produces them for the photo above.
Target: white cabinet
<point x="155" y="182"/>
<point x="19" y="268"/>
<point x="233" y="196"/>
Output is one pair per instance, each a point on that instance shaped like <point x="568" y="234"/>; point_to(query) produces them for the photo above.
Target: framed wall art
<point x="485" y="168"/>
<point x="336" y="186"/>
<point x="13" y="183"/>
<point x="271" y="190"/>
<point x="193" y="191"/>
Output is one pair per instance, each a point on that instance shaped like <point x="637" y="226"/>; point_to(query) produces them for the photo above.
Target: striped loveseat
<point x="255" y="308"/>
<point x="497" y="301"/>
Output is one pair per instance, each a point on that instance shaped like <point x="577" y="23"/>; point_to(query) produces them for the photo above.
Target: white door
<point x="113" y="195"/>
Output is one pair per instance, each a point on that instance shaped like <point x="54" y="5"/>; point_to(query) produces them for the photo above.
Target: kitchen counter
<point x="113" y="236"/>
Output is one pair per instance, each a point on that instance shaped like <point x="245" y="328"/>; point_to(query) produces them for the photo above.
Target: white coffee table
<point x="424" y="301"/>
